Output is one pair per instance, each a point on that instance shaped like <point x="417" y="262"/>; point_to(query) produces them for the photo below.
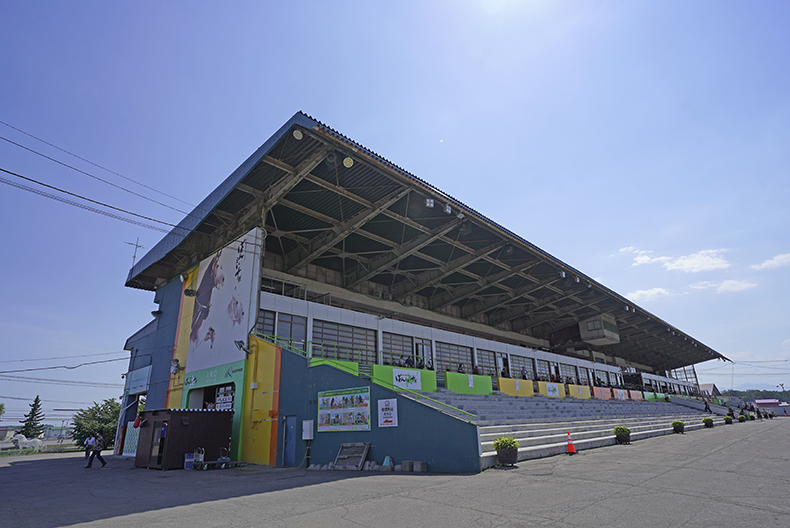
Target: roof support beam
<point x="284" y="185"/>
<point x="468" y="290"/>
<point x="398" y="253"/>
<point x="521" y="312"/>
<point x="301" y="257"/>
<point x="432" y="277"/>
<point x="501" y="300"/>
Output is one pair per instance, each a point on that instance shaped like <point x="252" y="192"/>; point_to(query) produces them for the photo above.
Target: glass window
<point x="448" y="357"/>
<point x="568" y="373"/>
<point x="522" y="367"/>
<point x="265" y="323"/>
<point x="344" y="342"/>
<point x="294" y="328"/>
<point x="486" y="360"/>
<point x="397" y="349"/>
<point x="543" y="370"/>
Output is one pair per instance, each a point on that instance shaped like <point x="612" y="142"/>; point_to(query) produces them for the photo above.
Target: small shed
<point x="166" y="435"/>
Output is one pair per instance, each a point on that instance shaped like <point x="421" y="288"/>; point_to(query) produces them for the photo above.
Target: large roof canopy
<point x="328" y="202"/>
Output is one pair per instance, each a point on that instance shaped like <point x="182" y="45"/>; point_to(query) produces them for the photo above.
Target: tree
<point x="99" y="417"/>
<point x="31" y="425"/>
<point x="2" y="409"/>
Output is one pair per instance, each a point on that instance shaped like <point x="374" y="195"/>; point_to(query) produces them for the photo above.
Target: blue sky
<point x="644" y="143"/>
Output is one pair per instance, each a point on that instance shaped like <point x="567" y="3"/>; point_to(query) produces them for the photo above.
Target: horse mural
<point x="23" y="442"/>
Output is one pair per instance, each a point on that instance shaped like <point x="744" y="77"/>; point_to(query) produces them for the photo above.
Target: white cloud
<point x="776" y="262"/>
<point x="643" y="256"/>
<point x="647" y="295"/>
<point x="727" y="286"/>
<point x="705" y="260"/>
<point x="786" y="343"/>
<point x="730" y="286"/>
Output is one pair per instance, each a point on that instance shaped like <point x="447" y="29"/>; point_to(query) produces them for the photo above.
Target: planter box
<point x="623" y="439"/>
<point x="507" y="456"/>
<point x="679" y="428"/>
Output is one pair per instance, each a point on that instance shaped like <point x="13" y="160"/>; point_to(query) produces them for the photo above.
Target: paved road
<point x="729" y="476"/>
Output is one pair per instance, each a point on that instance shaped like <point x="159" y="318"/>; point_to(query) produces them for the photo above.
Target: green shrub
<point x="751" y="417"/>
<point x="741" y="418"/>
<point x="728" y="420"/>
<point x="707" y="420"/>
<point x="505" y="442"/>
<point x="678" y="423"/>
<point x="621" y="430"/>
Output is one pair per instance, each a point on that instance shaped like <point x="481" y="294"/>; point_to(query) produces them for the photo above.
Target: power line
<point x="62" y="357"/>
<point x="95" y="164"/>
<point x="48" y="401"/>
<point x="99" y="211"/>
<point x="64" y="366"/>
<point x="47" y="381"/>
<point x="77" y="204"/>
<point x="92" y="176"/>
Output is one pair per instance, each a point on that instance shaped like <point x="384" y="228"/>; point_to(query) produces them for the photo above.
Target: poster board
<point x="344" y="410"/>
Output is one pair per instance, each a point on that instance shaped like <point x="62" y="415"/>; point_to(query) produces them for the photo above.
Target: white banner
<point x="552" y="389"/>
<point x="407" y="379"/>
<point x="388" y="413"/>
<point x="224" y="302"/>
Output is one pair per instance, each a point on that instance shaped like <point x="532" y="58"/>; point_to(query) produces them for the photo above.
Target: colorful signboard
<point x="344" y="410"/>
<point x="407" y="379"/>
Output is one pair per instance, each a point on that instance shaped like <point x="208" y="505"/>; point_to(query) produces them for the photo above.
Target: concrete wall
<point x="156" y="348"/>
<point x="448" y="445"/>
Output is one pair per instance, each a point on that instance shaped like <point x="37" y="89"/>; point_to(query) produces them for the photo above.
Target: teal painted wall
<point x="448" y="445"/>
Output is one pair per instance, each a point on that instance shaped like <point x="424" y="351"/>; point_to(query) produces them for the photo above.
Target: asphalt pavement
<point x="729" y="476"/>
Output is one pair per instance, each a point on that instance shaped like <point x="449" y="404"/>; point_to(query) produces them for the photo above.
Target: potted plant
<point x="622" y="434"/>
<point x="741" y="418"/>
<point x="728" y="420"/>
<point x="751" y="417"/>
<point x="678" y="426"/>
<point x="506" y="448"/>
<point x="708" y="421"/>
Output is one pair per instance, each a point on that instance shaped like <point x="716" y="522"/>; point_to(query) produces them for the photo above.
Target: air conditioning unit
<point x="377" y="293"/>
<point x="387" y="296"/>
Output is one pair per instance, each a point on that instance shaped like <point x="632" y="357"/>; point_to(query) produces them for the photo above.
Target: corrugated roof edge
<point x="177" y="235"/>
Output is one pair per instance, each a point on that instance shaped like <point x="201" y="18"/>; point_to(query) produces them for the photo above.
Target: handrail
<point x="417" y="395"/>
<point x="283" y="342"/>
<point x="367" y="354"/>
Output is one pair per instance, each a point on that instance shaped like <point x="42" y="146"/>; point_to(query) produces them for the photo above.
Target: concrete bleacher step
<point x="541" y="424"/>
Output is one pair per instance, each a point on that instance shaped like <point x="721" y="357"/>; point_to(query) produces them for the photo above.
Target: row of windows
<point x="351" y="343"/>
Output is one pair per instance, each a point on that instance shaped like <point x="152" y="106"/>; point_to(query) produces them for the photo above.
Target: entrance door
<point x="289" y="445"/>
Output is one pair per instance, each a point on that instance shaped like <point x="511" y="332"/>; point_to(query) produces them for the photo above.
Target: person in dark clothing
<point x="98" y="446"/>
<point x="461" y="368"/>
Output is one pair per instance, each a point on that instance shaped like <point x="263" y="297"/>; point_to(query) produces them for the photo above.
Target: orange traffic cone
<point x="571" y="449"/>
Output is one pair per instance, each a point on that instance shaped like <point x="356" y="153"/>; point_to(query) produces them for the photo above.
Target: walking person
<point x="97" y="447"/>
<point x="89" y="443"/>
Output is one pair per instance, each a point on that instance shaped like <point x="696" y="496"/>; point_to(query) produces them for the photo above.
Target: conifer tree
<point x="31" y="425"/>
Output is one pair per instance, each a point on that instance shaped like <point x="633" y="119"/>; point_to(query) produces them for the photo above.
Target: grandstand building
<point x="320" y="289"/>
